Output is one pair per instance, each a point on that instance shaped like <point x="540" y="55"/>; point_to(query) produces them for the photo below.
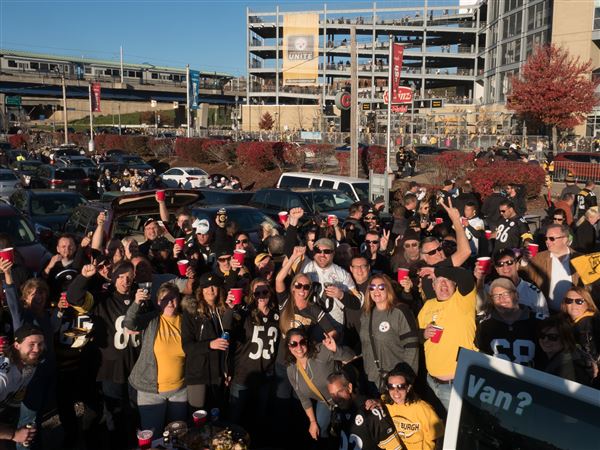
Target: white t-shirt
<point x="560" y="280"/>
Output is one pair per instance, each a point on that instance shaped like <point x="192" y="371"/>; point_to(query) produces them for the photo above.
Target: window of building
<point x="44" y="67"/>
<point x="154" y="76"/>
<point x="34" y="66"/>
<point x="12" y="63"/>
<point x="597" y="15"/>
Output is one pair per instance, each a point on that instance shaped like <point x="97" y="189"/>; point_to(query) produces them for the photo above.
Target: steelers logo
<point x="384" y="327"/>
<point x="301" y="44"/>
<point x="359" y="420"/>
<point x="265" y="319"/>
<point x="512" y="224"/>
<point x="276" y="316"/>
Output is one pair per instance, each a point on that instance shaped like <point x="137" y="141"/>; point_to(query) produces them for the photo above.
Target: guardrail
<point x="581" y="170"/>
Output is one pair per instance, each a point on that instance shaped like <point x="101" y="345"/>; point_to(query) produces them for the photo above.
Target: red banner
<point x="95" y="97"/>
<point x="397" y="57"/>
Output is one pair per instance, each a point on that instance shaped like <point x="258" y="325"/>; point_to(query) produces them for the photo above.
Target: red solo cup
<point x="283" y="217"/>
<point x="464" y="221"/>
<point x="533" y="250"/>
<point x="144" y="439"/>
<point x="180" y="242"/>
<point x="4" y="343"/>
<point x="183" y="265"/>
<point x="438" y="334"/>
<point x="488" y="234"/>
<point x="438" y="220"/>
<point x="402" y="274"/>
<point x="7" y="254"/>
<point x="199" y="417"/>
<point x="160" y="196"/>
<point x="485" y="264"/>
<point x="330" y="219"/>
<point x="237" y="295"/>
<point x="239" y="256"/>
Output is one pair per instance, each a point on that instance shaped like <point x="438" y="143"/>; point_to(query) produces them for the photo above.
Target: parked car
<point x="48" y="176"/>
<point x="115" y="151"/>
<point x="213" y="196"/>
<point x="356" y="188"/>
<point x="132" y="162"/>
<point x="46" y="208"/>
<point x="26" y="169"/>
<point x="314" y="201"/>
<point x="429" y="150"/>
<point x="9" y="182"/>
<point x="66" y="150"/>
<point x="249" y="219"/>
<point x="23" y="237"/>
<point x="83" y="162"/>
<point x="583" y="165"/>
<point x="185" y="177"/>
<point x="14" y="155"/>
<point x="126" y="213"/>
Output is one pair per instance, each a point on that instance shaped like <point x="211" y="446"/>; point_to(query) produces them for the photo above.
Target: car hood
<point x="146" y="202"/>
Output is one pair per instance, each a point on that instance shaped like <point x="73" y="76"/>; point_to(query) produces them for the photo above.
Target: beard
<point x="31" y="360"/>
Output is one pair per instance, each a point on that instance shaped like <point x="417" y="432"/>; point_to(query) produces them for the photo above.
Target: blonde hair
<point x="589" y="214"/>
<point x="286" y="316"/>
<point x="166" y="289"/>
<point x="584" y="293"/>
<point x="32" y="284"/>
<point x="268" y="229"/>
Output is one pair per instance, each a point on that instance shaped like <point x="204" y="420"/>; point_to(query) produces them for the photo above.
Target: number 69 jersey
<point x="254" y="341"/>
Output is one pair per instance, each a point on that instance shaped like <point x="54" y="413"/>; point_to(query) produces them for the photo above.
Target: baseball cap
<point x="25" y="331"/>
<point x="209" y="279"/>
<point x="260" y="257"/>
<point x="201" y="226"/>
<point x="504" y="283"/>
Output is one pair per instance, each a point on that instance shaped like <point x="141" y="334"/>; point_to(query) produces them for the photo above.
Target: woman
<point x="585" y="232"/>
<point x="556" y="340"/>
<point x="585" y="319"/>
<point x="309" y="365"/>
<point x="388" y="331"/>
<point x="205" y="348"/>
<point x="242" y="242"/>
<point x="158" y="374"/>
<point x="415" y="421"/>
<point x="254" y="341"/>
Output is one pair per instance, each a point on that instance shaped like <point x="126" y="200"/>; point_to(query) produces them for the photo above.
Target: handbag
<point x="334" y="422"/>
<point x="382" y="373"/>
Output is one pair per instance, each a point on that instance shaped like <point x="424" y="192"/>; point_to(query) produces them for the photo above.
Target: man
<point x="450" y="313"/>
<point x="491" y="207"/>
<point x="361" y="271"/>
<point x="411" y="204"/>
<point x="551" y="270"/>
<point x="566" y="203"/>
<point x="571" y="186"/>
<point x="513" y="232"/>
<point x="203" y="240"/>
<point x="151" y="233"/>
<point x="409" y="255"/>
<point x="474" y="228"/>
<point x="375" y="247"/>
<point x="586" y="198"/>
<point x="365" y="429"/>
<point x="353" y="226"/>
<point x="17" y="367"/>
<point x="182" y="224"/>
<point x="507" y="265"/>
<point x="516" y="194"/>
<point x="60" y="271"/>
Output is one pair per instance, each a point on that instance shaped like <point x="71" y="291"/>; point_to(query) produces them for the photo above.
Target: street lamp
<point x="64" y="99"/>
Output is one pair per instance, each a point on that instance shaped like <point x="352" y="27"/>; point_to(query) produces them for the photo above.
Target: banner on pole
<point x="397" y="57"/>
<point x="300" y="49"/>
<point x="194" y="87"/>
<point x="96" y="97"/>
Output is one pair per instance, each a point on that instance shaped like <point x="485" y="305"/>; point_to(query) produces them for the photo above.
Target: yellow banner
<point x="300" y="49"/>
<point x="588" y="267"/>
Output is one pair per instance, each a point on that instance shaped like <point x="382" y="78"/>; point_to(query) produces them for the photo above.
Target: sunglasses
<point x="294" y="344"/>
<point x="370" y="218"/>
<point x="411" y="245"/>
<point x="241" y="241"/>
<point x="381" y="287"/>
<point x="400" y="387"/>
<point x="553" y="238"/>
<point x="552" y="337"/>
<point x="578" y="301"/>
<point x="505" y="263"/>
<point x="502" y="211"/>
<point x="261" y="293"/>
<point x="371" y="242"/>
<point x="325" y="251"/>
<point x="559" y="218"/>
<point x="298" y="285"/>
<point x="434" y="251"/>
<point x="224" y="259"/>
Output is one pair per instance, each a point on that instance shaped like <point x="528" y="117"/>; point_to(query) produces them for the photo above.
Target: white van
<point x="356" y="188"/>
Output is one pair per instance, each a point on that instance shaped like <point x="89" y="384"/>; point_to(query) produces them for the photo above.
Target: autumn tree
<point x="554" y="89"/>
<point x="266" y="122"/>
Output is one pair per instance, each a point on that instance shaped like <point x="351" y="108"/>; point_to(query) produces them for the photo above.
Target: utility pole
<point x="187" y="100"/>
<point x="121" y="51"/>
<point x="64" y="94"/>
<point x="354" y="104"/>
<point x="388" y="143"/>
<point x="91" y="143"/>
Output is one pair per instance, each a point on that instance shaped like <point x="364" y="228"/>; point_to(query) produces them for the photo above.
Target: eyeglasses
<point x="434" y="251"/>
<point x="224" y="259"/>
<point x="553" y="238"/>
<point x="400" y="386"/>
<point x="410" y="244"/>
<point x="294" y="344"/>
<point x="505" y="294"/>
<point x="559" y="218"/>
<point x="505" y="263"/>
<point x="298" y="285"/>
<point x="261" y="293"/>
<point x="370" y="218"/>
<point x="241" y="241"/>
<point x="371" y="242"/>
<point x="325" y="251"/>
<point x="381" y="287"/>
<point x="578" y="301"/>
<point x="552" y="337"/>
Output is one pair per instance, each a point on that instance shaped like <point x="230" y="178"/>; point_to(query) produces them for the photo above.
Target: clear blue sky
<point x="207" y="34"/>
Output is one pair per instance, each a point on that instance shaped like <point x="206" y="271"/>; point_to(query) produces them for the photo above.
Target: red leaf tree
<point x="554" y="89"/>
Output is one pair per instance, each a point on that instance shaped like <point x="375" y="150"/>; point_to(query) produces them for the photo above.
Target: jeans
<point x="156" y="409"/>
<point x="120" y="413"/>
<point x="441" y="391"/>
<point x="323" y="416"/>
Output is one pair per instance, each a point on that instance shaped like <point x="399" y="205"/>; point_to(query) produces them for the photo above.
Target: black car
<point x="82" y="162"/>
<point x="47" y="209"/>
<point x="224" y="196"/>
<point x="132" y="162"/>
<point x="315" y="202"/>
<point x="26" y="169"/>
<point x="48" y="176"/>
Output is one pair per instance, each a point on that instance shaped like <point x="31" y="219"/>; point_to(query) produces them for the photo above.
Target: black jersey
<point x="515" y="342"/>
<point x="511" y="233"/>
<point x="584" y="201"/>
<point x="254" y="342"/>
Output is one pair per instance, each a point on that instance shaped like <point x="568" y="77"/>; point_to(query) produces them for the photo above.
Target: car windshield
<point x="29" y="166"/>
<point x="46" y="205"/>
<point x="196" y="172"/>
<point x="70" y="174"/>
<point x="8" y="176"/>
<point x="362" y="190"/>
<point x="18" y="229"/>
<point x="249" y="220"/>
<point x="327" y="201"/>
<point x="82" y="163"/>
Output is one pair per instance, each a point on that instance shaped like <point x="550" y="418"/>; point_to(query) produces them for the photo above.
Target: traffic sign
<point x="13" y="100"/>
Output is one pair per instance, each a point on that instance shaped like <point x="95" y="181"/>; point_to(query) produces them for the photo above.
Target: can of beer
<point x="225" y="335"/>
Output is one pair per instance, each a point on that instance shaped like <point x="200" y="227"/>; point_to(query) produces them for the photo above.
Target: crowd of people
<point x="321" y="333"/>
